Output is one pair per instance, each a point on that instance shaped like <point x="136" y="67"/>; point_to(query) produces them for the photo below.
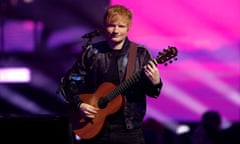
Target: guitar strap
<point x="130" y="69"/>
<point x="131" y="60"/>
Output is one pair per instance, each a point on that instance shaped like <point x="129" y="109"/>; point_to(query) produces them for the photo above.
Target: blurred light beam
<point x="21" y="102"/>
<point x="15" y="75"/>
<point x="160" y="117"/>
<point x="213" y="82"/>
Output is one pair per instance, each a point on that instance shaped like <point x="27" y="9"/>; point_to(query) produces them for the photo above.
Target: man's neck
<point x="116" y="46"/>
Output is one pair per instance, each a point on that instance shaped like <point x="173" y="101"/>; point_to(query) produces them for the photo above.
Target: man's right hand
<point x="88" y="110"/>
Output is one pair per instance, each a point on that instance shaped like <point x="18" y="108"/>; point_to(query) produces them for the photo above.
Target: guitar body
<point x="87" y="128"/>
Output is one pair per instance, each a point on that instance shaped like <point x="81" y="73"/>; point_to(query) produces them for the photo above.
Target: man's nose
<point x="116" y="29"/>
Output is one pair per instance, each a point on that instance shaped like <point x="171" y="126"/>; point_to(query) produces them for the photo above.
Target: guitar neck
<point x="162" y="58"/>
<point x="124" y="86"/>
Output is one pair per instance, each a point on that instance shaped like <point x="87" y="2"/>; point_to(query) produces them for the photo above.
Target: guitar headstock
<point x="167" y="55"/>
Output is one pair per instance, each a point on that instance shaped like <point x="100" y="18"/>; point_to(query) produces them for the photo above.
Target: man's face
<point x="117" y="30"/>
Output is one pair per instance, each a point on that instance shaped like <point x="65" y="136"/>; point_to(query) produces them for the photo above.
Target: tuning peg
<point x="170" y="61"/>
<point x="175" y="58"/>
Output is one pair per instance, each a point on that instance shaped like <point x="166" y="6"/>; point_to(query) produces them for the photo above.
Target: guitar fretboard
<point x="122" y="87"/>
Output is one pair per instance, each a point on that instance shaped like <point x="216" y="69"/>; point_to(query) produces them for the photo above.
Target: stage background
<point x="45" y="37"/>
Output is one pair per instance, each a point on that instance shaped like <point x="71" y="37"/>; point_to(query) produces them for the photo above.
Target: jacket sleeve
<point x="150" y="89"/>
<point x="153" y="90"/>
<point x="73" y="81"/>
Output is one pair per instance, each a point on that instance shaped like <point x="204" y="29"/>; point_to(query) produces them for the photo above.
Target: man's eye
<point x="110" y="25"/>
<point x="122" y="26"/>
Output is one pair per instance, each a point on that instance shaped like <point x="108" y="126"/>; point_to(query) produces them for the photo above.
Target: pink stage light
<point x="206" y="33"/>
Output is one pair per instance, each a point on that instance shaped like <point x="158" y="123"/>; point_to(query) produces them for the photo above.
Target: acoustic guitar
<point x="109" y="98"/>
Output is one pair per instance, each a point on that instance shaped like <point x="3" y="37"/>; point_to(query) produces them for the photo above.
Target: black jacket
<point x="91" y="66"/>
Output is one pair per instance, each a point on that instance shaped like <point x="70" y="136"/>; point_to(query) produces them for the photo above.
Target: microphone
<point x="92" y="34"/>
